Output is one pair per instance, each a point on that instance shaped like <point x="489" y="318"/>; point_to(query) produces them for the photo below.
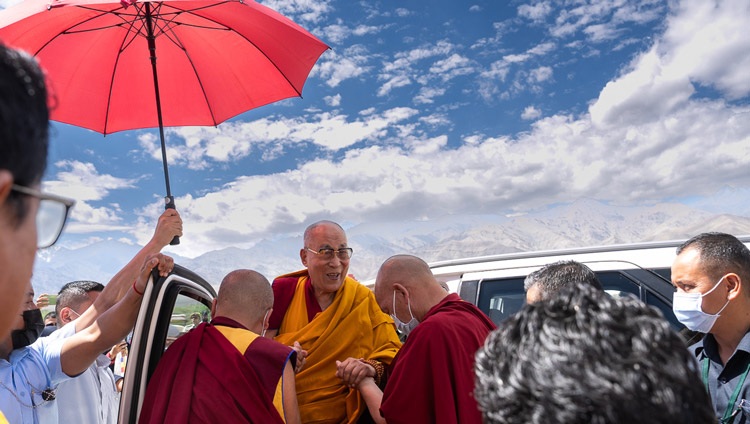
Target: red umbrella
<point x="115" y="65"/>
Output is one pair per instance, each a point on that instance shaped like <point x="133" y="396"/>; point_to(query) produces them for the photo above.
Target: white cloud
<point x="535" y="12"/>
<point x="336" y="68"/>
<point x="530" y="113"/>
<point x="540" y="74"/>
<point x="427" y="94"/>
<point x="707" y="41"/>
<point x="333" y="101"/>
<point x="599" y="18"/>
<point x="301" y="10"/>
<point x="699" y="40"/>
<point x="83" y="183"/>
<point x="452" y="67"/>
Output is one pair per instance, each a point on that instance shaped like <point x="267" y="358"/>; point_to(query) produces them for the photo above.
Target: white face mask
<point x="402" y="327"/>
<point x="688" y="308"/>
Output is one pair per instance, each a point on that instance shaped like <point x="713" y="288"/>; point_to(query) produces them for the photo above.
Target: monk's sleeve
<point x="419" y="389"/>
<point x="385" y="340"/>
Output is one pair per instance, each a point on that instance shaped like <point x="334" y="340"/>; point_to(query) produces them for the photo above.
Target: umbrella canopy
<point x="115" y="65"/>
<point x="214" y="59"/>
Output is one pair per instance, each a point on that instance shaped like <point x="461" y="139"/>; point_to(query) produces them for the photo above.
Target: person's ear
<point x="401" y="290"/>
<point x="734" y="284"/>
<point x="65" y="315"/>
<point x="303" y="256"/>
<point x="213" y="308"/>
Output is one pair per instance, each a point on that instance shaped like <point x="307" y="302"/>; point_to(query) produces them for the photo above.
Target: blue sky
<point x="423" y="109"/>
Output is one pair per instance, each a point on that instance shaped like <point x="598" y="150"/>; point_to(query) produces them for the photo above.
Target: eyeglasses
<point x="51" y="216"/>
<point x="327" y="253"/>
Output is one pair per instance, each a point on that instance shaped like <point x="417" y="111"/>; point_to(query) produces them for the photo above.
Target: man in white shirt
<point x="91" y="397"/>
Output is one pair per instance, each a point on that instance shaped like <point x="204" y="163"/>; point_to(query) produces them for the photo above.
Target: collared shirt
<point x="90" y="397"/>
<point x="28" y="372"/>
<point x="723" y="379"/>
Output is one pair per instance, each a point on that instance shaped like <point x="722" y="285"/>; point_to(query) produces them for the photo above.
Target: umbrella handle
<point x="169" y="204"/>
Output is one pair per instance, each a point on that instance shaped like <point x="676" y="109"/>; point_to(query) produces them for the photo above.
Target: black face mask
<point x="33" y="324"/>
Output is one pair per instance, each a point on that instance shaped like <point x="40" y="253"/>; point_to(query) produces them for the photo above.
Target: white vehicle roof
<point x="623" y="256"/>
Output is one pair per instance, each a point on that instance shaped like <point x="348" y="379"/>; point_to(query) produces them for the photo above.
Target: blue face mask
<point x="688" y="308"/>
<point x="403" y="327"/>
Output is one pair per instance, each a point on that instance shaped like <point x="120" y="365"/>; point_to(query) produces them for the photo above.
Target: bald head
<point x="406" y="270"/>
<point x="244" y="296"/>
<point x="329" y="225"/>
<point x="407" y="273"/>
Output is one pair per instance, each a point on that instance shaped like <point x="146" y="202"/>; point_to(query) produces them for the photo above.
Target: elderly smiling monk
<point x="333" y="320"/>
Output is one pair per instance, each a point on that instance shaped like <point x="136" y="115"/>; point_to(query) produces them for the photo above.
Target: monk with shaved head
<point x="225" y="370"/>
<point x="431" y="378"/>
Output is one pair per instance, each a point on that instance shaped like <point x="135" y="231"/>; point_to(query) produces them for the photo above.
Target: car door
<point x="164" y="314"/>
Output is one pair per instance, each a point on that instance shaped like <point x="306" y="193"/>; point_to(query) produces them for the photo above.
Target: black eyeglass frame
<point x="68" y="203"/>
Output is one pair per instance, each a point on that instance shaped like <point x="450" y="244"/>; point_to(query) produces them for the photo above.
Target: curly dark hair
<point x="586" y="357"/>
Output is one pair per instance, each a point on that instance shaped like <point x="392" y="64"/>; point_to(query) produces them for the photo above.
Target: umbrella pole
<point x="169" y="199"/>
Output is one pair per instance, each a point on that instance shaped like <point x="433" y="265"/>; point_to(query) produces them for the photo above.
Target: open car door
<point x="164" y="316"/>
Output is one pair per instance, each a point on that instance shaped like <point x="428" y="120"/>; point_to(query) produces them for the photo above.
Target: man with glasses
<point x="323" y="311"/>
<point x="24" y="124"/>
<point x="711" y="274"/>
<point x="24" y="129"/>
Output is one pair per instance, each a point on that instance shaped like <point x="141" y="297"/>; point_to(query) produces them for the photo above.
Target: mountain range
<point x="583" y="223"/>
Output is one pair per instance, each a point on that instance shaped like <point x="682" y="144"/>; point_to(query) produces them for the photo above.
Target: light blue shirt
<point x="30" y="371"/>
<point x="90" y="398"/>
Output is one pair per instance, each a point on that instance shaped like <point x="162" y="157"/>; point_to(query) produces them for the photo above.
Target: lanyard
<point x="730" y="412"/>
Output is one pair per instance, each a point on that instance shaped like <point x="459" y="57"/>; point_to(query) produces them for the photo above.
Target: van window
<point x="499" y="298"/>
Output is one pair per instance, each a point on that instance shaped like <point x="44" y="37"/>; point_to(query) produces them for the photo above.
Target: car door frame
<point x="150" y="332"/>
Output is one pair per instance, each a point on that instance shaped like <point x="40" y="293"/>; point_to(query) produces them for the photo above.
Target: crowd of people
<point x="316" y="346"/>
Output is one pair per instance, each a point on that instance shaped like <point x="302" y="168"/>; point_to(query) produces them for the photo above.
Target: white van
<point x="495" y="283"/>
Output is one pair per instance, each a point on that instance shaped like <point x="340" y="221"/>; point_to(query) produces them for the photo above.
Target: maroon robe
<point x="431" y="378"/>
<point x="203" y="378"/>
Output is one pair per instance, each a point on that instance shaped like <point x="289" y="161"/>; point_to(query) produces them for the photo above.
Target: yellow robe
<point x="352" y="326"/>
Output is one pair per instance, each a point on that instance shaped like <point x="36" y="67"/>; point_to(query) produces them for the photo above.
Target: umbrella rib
<point x="176" y="41"/>
<point x="126" y="41"/>
<point x="281" y="72"/>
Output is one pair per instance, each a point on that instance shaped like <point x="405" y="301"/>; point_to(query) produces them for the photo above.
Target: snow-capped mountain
<point x="582" y="223"/>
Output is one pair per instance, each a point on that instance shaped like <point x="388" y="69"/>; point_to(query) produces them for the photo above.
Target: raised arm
<point x="80" y="350"/>
<point x="168" y="226"/>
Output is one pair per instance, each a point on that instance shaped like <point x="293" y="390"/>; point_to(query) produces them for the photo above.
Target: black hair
<point x="553" y="277"/>
<point x="24" y="123"/>
<point x="586" y="357"/>
<point x="720" y="253"/>
<point x="75" y="293"/>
